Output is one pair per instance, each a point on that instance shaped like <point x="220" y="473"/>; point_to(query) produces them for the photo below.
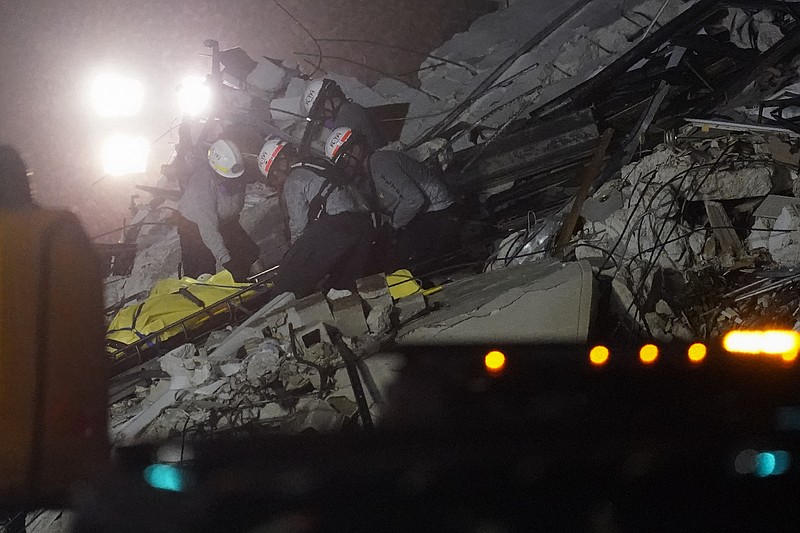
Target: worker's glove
<point x="239" y="271"/>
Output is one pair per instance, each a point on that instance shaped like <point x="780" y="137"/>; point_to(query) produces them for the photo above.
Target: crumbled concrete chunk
<point x="348" y="314"/>
<point x="411" y="306"/>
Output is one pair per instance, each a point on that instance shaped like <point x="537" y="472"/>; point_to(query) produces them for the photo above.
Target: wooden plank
<point x="592" y="171"/>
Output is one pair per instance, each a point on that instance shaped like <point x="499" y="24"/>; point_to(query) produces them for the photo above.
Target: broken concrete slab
<point x="374" y="291"/>
<point x="379" y="320"/>
<point x="548" y="301"/>
<point x="316" y="415"/>
<point x="262" y="367"/>
<point x="784" y="241"/>
<point x="293" y="375"/>
<point x="210" y="389"/>
<point x="272" y="411"/>
<point x="773" y="205"/>
<point x="161" y="398"/>
<point x="410" y="307"/>
<point x="310" y="310"/>
<point x="378" y="373"/>
<point x="728" y="240"/>
<point x="602" y="203"/>
<point x="348" y="315"/>
<point x="760" y="233"/>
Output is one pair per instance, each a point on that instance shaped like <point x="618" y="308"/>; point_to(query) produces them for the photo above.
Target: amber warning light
<point x="599" y="355"/>
<point x="775" y="343"/>
<point x="495" y="362"/>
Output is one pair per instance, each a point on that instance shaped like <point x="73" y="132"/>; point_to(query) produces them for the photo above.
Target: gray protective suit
<point x="405" y="187"/>
<point x="301" y="187"/>
<point x="208" y="202"/>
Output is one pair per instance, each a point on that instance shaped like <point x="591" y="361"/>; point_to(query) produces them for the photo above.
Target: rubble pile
<point x="694" y="225"/>
<point x="663" y="231"/>
<point x="591" y="36"/>
<point x="282" y="368"/>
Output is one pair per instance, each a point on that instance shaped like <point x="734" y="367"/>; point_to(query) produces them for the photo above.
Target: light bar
<point x="785" y="344"/>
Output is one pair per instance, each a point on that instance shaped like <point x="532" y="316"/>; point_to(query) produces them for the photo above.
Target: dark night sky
<point x="51" y="50"/>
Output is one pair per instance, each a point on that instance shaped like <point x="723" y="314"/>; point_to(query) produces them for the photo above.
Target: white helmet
<point x="313" y="89"/>
<point x="226" y="159"/>
<point x="268" y="155"/>
<point x="336" y="144"/>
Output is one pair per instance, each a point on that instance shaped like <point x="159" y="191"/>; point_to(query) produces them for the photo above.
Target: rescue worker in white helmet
<point x="208" y="224"/>
<point x="423" y="214"/>
<point x="325" y="103"/>
<point x="331" y="227"/>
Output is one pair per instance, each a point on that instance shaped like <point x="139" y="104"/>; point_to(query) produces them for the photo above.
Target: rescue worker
<point x="325" y="103"/>
<point x="420" y="210"/>
<point x="208" y="223"/>
<point x="15" y="189"/>
<point x="331" y="228"/>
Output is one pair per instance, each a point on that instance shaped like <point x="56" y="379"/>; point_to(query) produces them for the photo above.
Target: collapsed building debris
<point x="675" y="238"/>
<point x="274" y="370"/>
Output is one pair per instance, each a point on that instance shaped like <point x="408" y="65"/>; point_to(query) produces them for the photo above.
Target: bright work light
<point x="125" y="155"/>
<point x="115" y="96"/>
<point x="194" y="95"/>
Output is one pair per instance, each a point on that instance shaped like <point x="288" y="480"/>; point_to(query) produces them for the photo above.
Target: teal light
<point x="165" y="477"/>
<point x="765" y="464"/>
<point x="772" y="463"/>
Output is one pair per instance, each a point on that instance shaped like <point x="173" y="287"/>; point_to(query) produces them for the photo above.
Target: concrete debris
<point x="378" y="373"/>
<point x="310" y="310"/>
<point x="752" y="31"/>
<point x="316" y="415"/>
<point x="525" y="246"/>
<point x="773" y="205"/>
<point x="784" y="241"/>
<point x="410" y="307"/>
<point x="229" y="369"/>
<point x="344" y="406"/>
<point x="603" y="203"/>
<point x="379" y="320"/>
<point x="348" y="315"/>
<point x="514" y="304"/>
<point x="209" y="389"/>
<point x="727" y="239"/>
<point x="215" y="338"/>
<point x="378" y="303"/>
<point x="293" y="375"/>
<point x="669" y="233"/>
<point x="567" y="56"/>
<point x="262" y="366"/>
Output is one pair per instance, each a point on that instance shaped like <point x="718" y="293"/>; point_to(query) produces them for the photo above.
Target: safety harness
<point x="334" y="179"/>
